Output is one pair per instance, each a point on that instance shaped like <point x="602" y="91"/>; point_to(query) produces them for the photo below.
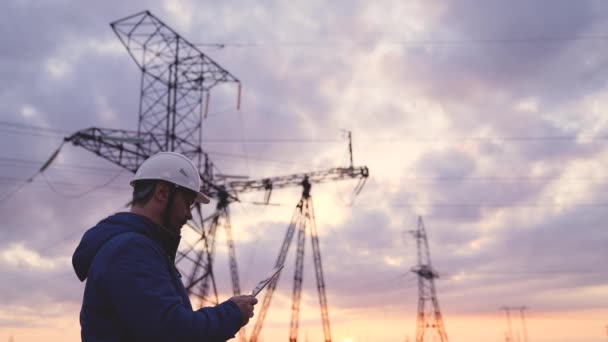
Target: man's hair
<point x="143" y="190"/>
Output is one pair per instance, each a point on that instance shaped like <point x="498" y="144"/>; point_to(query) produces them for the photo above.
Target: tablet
<point x="262" y="284"/>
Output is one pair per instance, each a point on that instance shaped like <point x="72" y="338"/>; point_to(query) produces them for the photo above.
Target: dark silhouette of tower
<point x="176" y="80"/>
<point x="509" y="333"/>
<point x="429" y="326"/>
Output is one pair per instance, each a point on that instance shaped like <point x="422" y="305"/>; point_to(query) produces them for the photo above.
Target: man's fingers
<point x="246" y="304"/>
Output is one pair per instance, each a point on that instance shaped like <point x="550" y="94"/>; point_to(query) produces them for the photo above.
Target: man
<point x="133" y="290"/>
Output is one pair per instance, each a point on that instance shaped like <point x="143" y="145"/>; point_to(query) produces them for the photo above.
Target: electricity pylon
<point x="521" y="310"/>
<point x="523" y="322"/>
<point x="303" y="220"/>
<point x="510" y="331"/>
<point x="176" y="82"/>
<point x="429" y="326"/>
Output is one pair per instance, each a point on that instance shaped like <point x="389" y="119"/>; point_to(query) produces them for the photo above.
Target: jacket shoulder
<point x="125" y="245"/>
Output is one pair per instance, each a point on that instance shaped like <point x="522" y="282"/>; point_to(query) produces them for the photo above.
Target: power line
<point x="261" y="160"/>
<point x="498" y="179"/>
<point x="490" y="179"/>
<point x="18" y="128"/>
<point x="41" y="170"/>
<point x="567" y="318"/>
<point x="393" y="283"/>
<point x="5" y="161"/>
<point x="13" y="192"/>
<point x="498" y="205"/>
<point x="415" y="139"/>
<point x="32" y="127"/>
<point x="97" y="187"/>
<point x="32" y="133"/>
<point x="22" y="162"/>
<point x="271" y="140"/>
<point x="526" y="273"/>
<point x="66" y="238"/>
<point x="244" y="148"/>
<point x="449" y="206"/>
<point x="15" y="162"/>
<point x="422" y="42"/>
<point x="62" y="183"/>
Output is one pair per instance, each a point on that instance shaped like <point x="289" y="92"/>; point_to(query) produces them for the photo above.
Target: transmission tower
<point x="429" y="325"/>
<point x="176" y="80"/>
<point x="510" y="331"/>
<point x="521" y="309"/>
<point x="303" y="220"/>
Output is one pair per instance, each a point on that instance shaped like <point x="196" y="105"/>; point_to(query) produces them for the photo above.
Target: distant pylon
<point x="510" y="331"/>
<point x="521" y="309"/>
<point x="429" y="326"/>
<point x="523" y="322"/>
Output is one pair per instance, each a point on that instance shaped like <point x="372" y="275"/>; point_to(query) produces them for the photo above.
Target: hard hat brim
<point x="202" y="198"/>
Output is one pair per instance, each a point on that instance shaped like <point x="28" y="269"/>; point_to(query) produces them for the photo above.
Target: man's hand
<point x="245" y="304"/>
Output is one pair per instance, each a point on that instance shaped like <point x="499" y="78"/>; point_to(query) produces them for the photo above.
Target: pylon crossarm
<point x="152" y="45"/>
<point x="316" y="177"/>
<point x="126" y="149"/>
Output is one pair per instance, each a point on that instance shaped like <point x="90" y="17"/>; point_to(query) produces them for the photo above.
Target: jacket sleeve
<point x="140" y="289"/>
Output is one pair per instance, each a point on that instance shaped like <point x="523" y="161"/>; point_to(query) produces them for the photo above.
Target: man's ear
<point x="161" y="193"/>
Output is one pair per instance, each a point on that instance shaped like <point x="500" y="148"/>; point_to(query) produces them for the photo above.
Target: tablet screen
<point x="260" y="286"/>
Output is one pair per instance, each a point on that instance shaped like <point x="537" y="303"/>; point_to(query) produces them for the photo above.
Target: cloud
<point x="441" y="98"/>
<point x="18" y="255"/>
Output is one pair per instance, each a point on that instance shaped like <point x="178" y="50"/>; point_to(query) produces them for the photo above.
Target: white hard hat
<point x="174" y="168"/>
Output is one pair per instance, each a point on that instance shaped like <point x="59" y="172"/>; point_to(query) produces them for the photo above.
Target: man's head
<point x="165" y="188"/>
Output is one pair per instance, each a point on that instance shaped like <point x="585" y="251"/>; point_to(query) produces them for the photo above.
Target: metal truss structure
<point x="303" y="220"/>
<point x="175" y="84"/>
<point x="429" y="325"/>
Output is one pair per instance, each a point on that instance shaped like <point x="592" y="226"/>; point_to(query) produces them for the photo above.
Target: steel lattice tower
<point x="429" y="326"/>
<point x="175" y="84"/>
<point x="176" y="78"/>
<point x="303" y="220"/>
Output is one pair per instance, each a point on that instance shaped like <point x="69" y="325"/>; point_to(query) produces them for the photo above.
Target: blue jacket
<point x="134" y="292"/>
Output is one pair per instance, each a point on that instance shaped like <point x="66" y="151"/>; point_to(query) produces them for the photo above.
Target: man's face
<point x="181" y="212"/>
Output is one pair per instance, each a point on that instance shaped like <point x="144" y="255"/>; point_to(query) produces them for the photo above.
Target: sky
<point x="485" y="118"/>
